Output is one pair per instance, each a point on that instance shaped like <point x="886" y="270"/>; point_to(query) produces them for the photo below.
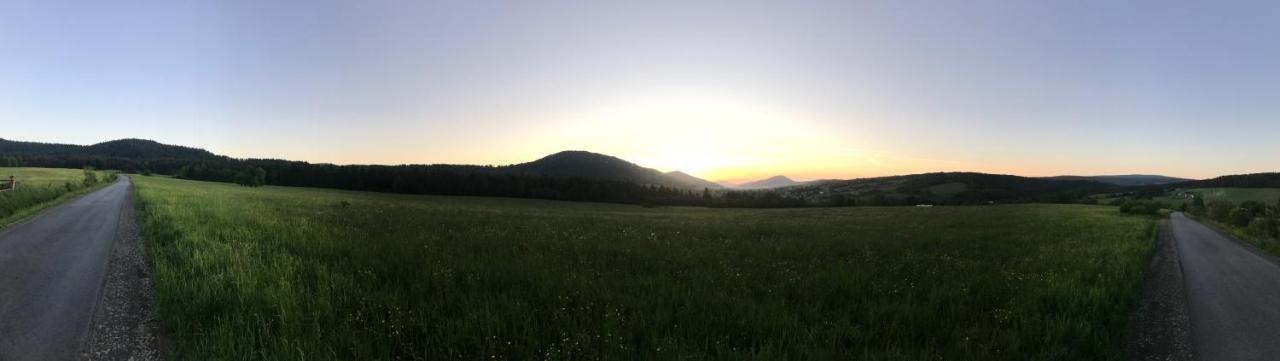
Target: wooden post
<point x="13" y="183"/>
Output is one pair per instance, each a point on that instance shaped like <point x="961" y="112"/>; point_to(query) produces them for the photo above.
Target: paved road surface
<point x="51" y="273"/>
<point x="1233" y="294"/>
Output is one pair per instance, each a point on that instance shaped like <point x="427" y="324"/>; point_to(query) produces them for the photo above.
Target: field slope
<point x="294" y="273"/>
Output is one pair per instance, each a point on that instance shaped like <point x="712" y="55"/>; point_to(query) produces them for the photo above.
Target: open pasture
<point x="295" y="273"/>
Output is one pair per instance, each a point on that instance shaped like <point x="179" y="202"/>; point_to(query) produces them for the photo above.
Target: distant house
<point x="924" y="205"/>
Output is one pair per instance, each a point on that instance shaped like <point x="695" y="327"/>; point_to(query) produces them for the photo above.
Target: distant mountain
<point x="582" y="164"/>
<point x="138" y="149"/>
<point x="777" y="181"/>
<point x="1124" y="180"/>
<point x="691" y="181"/>
<point x="1255" y="180"/>
<point x="142" y="148"/>
<point x="945" y="188"/>
<point x="586" y="176"/>
<point x="137" y="154"/>
<point x="17" y="148"/>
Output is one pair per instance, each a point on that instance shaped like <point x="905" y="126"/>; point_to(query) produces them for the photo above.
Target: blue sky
<point x="724" y="90"/>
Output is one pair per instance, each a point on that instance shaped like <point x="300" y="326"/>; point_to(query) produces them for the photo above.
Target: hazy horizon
<point x="734" y="182"/>
<point x="726" y="91"/>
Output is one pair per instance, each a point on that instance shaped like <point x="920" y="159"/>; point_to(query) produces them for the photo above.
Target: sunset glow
<point x="819" y="90"/>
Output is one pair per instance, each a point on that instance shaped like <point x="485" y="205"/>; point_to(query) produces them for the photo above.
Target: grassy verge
<point x="1233" y="195"/>
<point x="291" y="273"/>
<point x="1268" y="244"/>
<point x="41" y="188"/>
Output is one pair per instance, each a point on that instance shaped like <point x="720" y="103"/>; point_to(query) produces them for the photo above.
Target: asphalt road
<point x="51" y="275"/>
<point x="1233" y="294"/>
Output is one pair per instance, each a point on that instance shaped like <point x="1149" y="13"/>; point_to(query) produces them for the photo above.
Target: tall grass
<point x="289" y="274"/>
<point x="39" y="188"/>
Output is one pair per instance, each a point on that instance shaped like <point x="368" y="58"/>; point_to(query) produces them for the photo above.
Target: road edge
<point x="1247" y="244"/>
<point x="1160" y="326"/>
<point x="122" y="327"/>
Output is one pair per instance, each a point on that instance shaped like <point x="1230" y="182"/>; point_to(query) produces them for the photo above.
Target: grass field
<point x="294" y="273"/>
<point x="39" y="188"/>
<point x="1235" y="195"/>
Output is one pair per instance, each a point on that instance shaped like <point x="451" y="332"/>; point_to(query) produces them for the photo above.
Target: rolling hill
<point x="1124" y="180"/>
<point x="946" y="188"/>
<point x="137" y="149"/>
<point x="570" y="175"/>
<point x="582" y="164"/>
<point x="777" y="181"/>
<point x="1255" y="180"/>
<point x="691" y="181"/>
<point x="587" y="176"/>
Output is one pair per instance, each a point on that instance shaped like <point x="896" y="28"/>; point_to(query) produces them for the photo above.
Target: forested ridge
<point x="569" y="175"/>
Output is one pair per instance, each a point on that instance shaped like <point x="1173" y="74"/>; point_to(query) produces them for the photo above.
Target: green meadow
<point x="276" y="273"/>
<point x="39" y="188"/>
<point x="1233" y="195"/>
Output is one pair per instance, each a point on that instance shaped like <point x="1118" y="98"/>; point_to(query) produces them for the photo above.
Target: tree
<point x="90" y="177"/>
<point x="259" y="177"/>
<point x="1197" y="205"/>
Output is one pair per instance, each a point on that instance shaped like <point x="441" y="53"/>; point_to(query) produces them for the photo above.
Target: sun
<point x="714" y="134"/>
<point x="696" y="162"/>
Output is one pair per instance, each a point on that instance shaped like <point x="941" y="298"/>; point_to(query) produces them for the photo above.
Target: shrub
<point x="1264" y="227"/>
<point x="1253" y="208"/>
<point x="1239" y="217"/>
<point x="1142" y="207"/>
<point x="90" y="177"/>
<point x="1220" y="210"/>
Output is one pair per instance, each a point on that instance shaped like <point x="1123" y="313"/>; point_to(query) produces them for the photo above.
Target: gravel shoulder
<point x="123" y="328"/>
<point x="1160" y="327"/>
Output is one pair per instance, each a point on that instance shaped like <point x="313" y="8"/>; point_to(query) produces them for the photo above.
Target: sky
<point x="725" y="90"/>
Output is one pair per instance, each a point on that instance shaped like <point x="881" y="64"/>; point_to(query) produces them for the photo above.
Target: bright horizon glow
<point x="724" y="91"/>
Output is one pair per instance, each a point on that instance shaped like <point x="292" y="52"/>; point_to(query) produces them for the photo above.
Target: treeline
<point x="1256" y="180"/>
<point x="462" y="181"/>
<point x="127" y="165"/>
<point x="244" y="175"/>
<point x="940" y="189"/>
